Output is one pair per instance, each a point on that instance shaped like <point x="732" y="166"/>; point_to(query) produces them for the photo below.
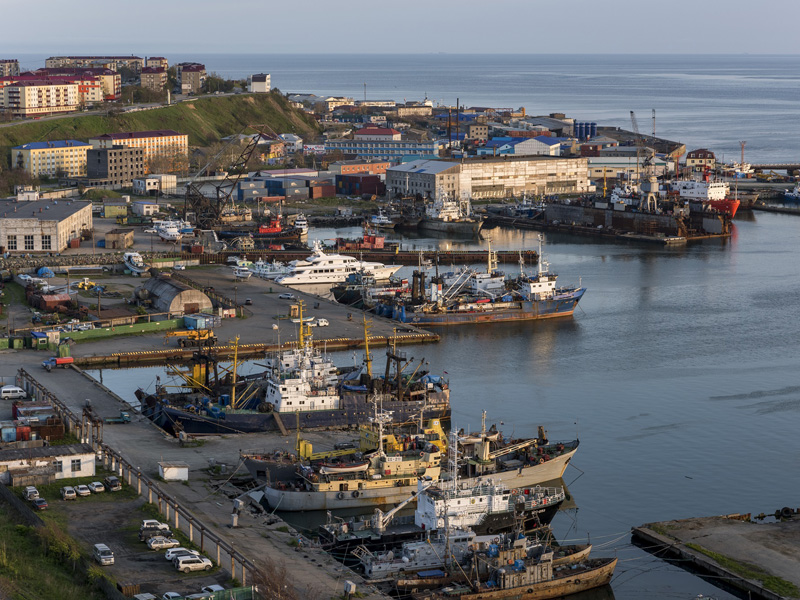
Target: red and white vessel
<point x="711" y="193"/>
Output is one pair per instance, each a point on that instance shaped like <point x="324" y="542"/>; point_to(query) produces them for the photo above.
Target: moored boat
<point x="449" y="216"/>
<point x="332" y="268"/>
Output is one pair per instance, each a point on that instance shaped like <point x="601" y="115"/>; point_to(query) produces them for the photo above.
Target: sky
<point x="154" y="27"/>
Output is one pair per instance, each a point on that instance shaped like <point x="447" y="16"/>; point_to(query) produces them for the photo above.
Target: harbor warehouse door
<point x="191" y="308"/>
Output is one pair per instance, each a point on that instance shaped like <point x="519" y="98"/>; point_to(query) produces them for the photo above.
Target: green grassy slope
<point x="205" y="120"/>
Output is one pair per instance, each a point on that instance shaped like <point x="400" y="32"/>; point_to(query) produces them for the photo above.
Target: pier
<point x="760" y="559"/>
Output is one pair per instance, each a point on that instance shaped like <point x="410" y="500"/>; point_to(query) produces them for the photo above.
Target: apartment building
<point x="115" y="63"/>
<point x="110" y="80"/>
<point x="191" y="76"/>
<point x="9" y="66"/>
<point x="378" y="134"/>
<point x="699" y="160"/>
<point x="114" y="167"/>
<point x="90" y="90"/>
<point x="153" y="78"/>
<point x="165" y="146"/>
<point x="157" y="61"/>
<point x="39" y="97"/>
<point x="386" y="150"/>
<point x="51" y="159"/>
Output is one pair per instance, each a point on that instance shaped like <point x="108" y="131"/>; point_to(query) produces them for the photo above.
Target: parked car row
<point x="110" y="483"/>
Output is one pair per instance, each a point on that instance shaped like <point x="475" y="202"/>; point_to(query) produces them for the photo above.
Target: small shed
<point x="119" y="239"/>
<point x="172" y="296"/>
<point x="173" y="471"/>
<point x="51" y="302"/>
<point x="40" y="340"/>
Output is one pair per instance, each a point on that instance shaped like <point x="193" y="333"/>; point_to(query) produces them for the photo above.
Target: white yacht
<point x="332" y="268"/>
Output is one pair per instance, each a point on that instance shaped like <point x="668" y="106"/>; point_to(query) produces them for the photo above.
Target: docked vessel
<point x="514" y="570"/>
<point x="242" y="273"/>
<point x="134" y="263"/>
<point x="301" y="224"/>
<point x="363" y="291"/>
<point x="301" y="385"/>
<point x="332" y="268"/>
<point x="711" y="193"/>
<point x="472" y="297"/>
<point x="381" y="221"/>
<point x="269" y="270"/>
<point x="271" y="231"/>
<point x="170" y="231"/>
<point x="793" y="195"/>
<point x="450" y="216"/>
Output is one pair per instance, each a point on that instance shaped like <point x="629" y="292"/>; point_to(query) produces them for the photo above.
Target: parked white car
<point x="180" y="551"/>
<point x="82" y="490"/>
<point x="96" y="487"/>
<point x="186" y="564"/>
<point x="159" y="543"/>
<point x="153" y="524"/>
<point x="68" y="493"/>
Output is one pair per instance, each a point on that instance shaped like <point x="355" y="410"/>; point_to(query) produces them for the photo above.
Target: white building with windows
<point x="260" y="83"/>
<point x="42" y="225"/>
<point x="47" y="462"/>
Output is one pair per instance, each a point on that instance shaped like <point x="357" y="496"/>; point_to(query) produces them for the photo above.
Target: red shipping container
<point x="197" y="249"/>
<point x="23" y="433"/>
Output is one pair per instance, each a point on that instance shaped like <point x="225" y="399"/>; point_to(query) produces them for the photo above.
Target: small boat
<point x="170" y="231"/>
<point x="794" y="195"/>
<point x="269" y="270"/>
<point x="381" y="221"/>
<point x="134" y="262"/>
<point x="301" y="224"/>
<point x="334" y="468"/>
<point x="303" y="320"/>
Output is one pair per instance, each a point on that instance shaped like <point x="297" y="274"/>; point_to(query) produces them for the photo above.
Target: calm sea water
<point x="678" y="371"/>
<point x="706" y="101"/>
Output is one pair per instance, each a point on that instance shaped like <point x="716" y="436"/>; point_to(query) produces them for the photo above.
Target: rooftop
<point x="45" y="210"/>
<point x="57" y="144"/>
<point x="424" y="166"/>
<point x="153" y="70"/>
<point x="377" y="131"/>
<point x="45" y="452"/>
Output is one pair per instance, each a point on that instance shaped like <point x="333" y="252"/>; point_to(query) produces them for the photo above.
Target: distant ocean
<point x="705" y="101"/>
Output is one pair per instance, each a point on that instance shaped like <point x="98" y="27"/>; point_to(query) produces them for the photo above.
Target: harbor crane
<point x="645" y="156"/>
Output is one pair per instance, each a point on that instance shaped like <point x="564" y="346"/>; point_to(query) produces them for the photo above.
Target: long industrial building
<point x="489" y="177"/>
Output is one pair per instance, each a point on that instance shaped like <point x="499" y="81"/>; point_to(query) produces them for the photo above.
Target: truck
<point x="193" y="337"/>
<point x="124" y="417"/>
<point x="58" y="361"/>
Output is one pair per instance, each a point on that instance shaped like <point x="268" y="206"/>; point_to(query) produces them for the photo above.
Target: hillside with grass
<point x="204" y="119"/>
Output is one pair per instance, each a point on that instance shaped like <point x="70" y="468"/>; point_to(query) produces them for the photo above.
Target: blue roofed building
<point x="65" y="158"/>
<point x="538" y="146"/>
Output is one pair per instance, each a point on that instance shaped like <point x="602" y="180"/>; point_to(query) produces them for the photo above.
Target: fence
<point x="175" y="514"/>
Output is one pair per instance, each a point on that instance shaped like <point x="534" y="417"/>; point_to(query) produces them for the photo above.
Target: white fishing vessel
<point x="332" y="268"/>
<point x="301" y="224"/>
<point x="451" y="216"/>
<point x="134" y="262"/>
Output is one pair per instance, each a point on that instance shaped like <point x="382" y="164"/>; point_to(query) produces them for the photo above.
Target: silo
<point x="593" y="127"/>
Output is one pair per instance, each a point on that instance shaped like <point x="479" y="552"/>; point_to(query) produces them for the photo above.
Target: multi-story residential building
<point x="9" y="66"/>
<point x="166" y="147"/>
<point x="157" y="61"/>
<point x="90" y="90"/>
<point x="259" y="83"/>
<point x="699" y="160"/>
<point x="332" y="102"/>
<point x="52" y="159"/>
<point x="110" y="81"/>
<point x="36" y="97"/>
<point x="478" y="132"/>
<point x="153" y="78"/>
<point x="387" y="150"/>
<point x="489" y="177"/>
<point x="378" y="134"/>
<point x="42" y="225"/>
<point x="134" y="63"/>
<point x="114" y="167"/>
<point x="191" y="77"/>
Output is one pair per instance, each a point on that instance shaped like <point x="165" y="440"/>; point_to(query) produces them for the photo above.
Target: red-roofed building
<point x="191" y="76"/>
<point x="165" y="150"/>
<point x="153" y="78"/>
<point x="377" y="134"/>
<point x="109" y="79"/>
<point x="157" y="61"/>
<point x="701" y="159"/>
<point x="34" y="97"/>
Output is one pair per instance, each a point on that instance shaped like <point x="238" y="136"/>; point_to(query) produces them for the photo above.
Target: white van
<point x="103" y="554"/>
<point x="12" y="392"/>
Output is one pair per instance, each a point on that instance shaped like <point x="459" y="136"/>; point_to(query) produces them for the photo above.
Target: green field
<point x="205" y="120"/>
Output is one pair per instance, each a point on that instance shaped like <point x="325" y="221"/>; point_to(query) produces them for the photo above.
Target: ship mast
<point x="235" y="366"/>
<point x="367" y="357"/>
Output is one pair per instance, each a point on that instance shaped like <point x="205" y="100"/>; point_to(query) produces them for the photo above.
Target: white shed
<point x="173" y="471"/>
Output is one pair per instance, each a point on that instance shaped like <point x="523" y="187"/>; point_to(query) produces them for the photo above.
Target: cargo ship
<point x="449" y="216"/>
<point x="710" y="193"/>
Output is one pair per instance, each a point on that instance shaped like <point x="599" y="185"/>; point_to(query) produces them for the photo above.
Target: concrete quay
<point x="262" y="328"/>
<point x="760" y="559"/>
<point x="261" y="539"/>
